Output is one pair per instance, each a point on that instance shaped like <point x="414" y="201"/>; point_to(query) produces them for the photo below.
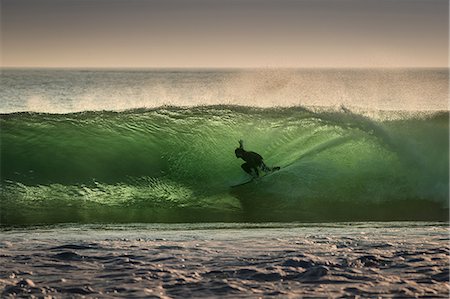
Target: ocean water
<point x="117" y="183"/>
<point x="130" y="146"/>
<point x="226" y="260"/>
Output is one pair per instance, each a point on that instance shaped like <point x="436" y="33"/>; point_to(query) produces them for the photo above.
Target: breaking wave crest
<point x="174" y="164"/>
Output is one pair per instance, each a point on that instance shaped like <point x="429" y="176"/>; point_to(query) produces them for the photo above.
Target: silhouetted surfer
<point x="253" y="161"/>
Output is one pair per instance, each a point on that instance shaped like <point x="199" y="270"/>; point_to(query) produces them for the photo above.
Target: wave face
<point x="177" y="164"/>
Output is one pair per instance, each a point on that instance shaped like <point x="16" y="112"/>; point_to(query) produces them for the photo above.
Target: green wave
<point x="175" y="164"/>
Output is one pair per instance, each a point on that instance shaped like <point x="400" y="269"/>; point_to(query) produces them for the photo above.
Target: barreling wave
<point x="174" y="164"/>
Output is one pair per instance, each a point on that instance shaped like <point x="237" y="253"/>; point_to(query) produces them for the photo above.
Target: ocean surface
<point x="126" y="146"/>
<point x="226" y="260"/>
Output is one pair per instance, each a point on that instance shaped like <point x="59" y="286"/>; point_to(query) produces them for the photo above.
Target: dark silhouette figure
<point x="253" y="161"/>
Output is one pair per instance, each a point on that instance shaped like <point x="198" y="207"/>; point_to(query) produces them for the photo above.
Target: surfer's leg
<point x="256" y="172"/>
<point x="246" y="167"/>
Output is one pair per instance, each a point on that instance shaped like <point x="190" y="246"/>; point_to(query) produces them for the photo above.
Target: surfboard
<point x="248" y="181"/>
<point x="243" y="183"/>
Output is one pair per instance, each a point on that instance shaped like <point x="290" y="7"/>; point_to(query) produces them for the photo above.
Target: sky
<point x="224" y="33"/>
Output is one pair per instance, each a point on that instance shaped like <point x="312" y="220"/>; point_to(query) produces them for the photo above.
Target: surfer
<point x="253" y="161"/>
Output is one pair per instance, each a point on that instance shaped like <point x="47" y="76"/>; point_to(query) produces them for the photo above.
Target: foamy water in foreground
<point x="285" y="260"/>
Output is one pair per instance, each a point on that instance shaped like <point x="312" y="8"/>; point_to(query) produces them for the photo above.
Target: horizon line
<point x="218" y="67"/>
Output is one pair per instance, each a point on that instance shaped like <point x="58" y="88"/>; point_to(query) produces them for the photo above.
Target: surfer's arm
<point x="241" y="144"/>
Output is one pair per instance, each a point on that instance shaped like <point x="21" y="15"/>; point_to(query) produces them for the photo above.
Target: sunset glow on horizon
<point x="216" y="33"/>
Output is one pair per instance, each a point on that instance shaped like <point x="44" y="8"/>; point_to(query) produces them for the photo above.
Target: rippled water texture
<point x="227" y="260"/>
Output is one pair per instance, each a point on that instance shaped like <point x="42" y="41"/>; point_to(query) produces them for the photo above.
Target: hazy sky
<point x="224" y="33"/>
